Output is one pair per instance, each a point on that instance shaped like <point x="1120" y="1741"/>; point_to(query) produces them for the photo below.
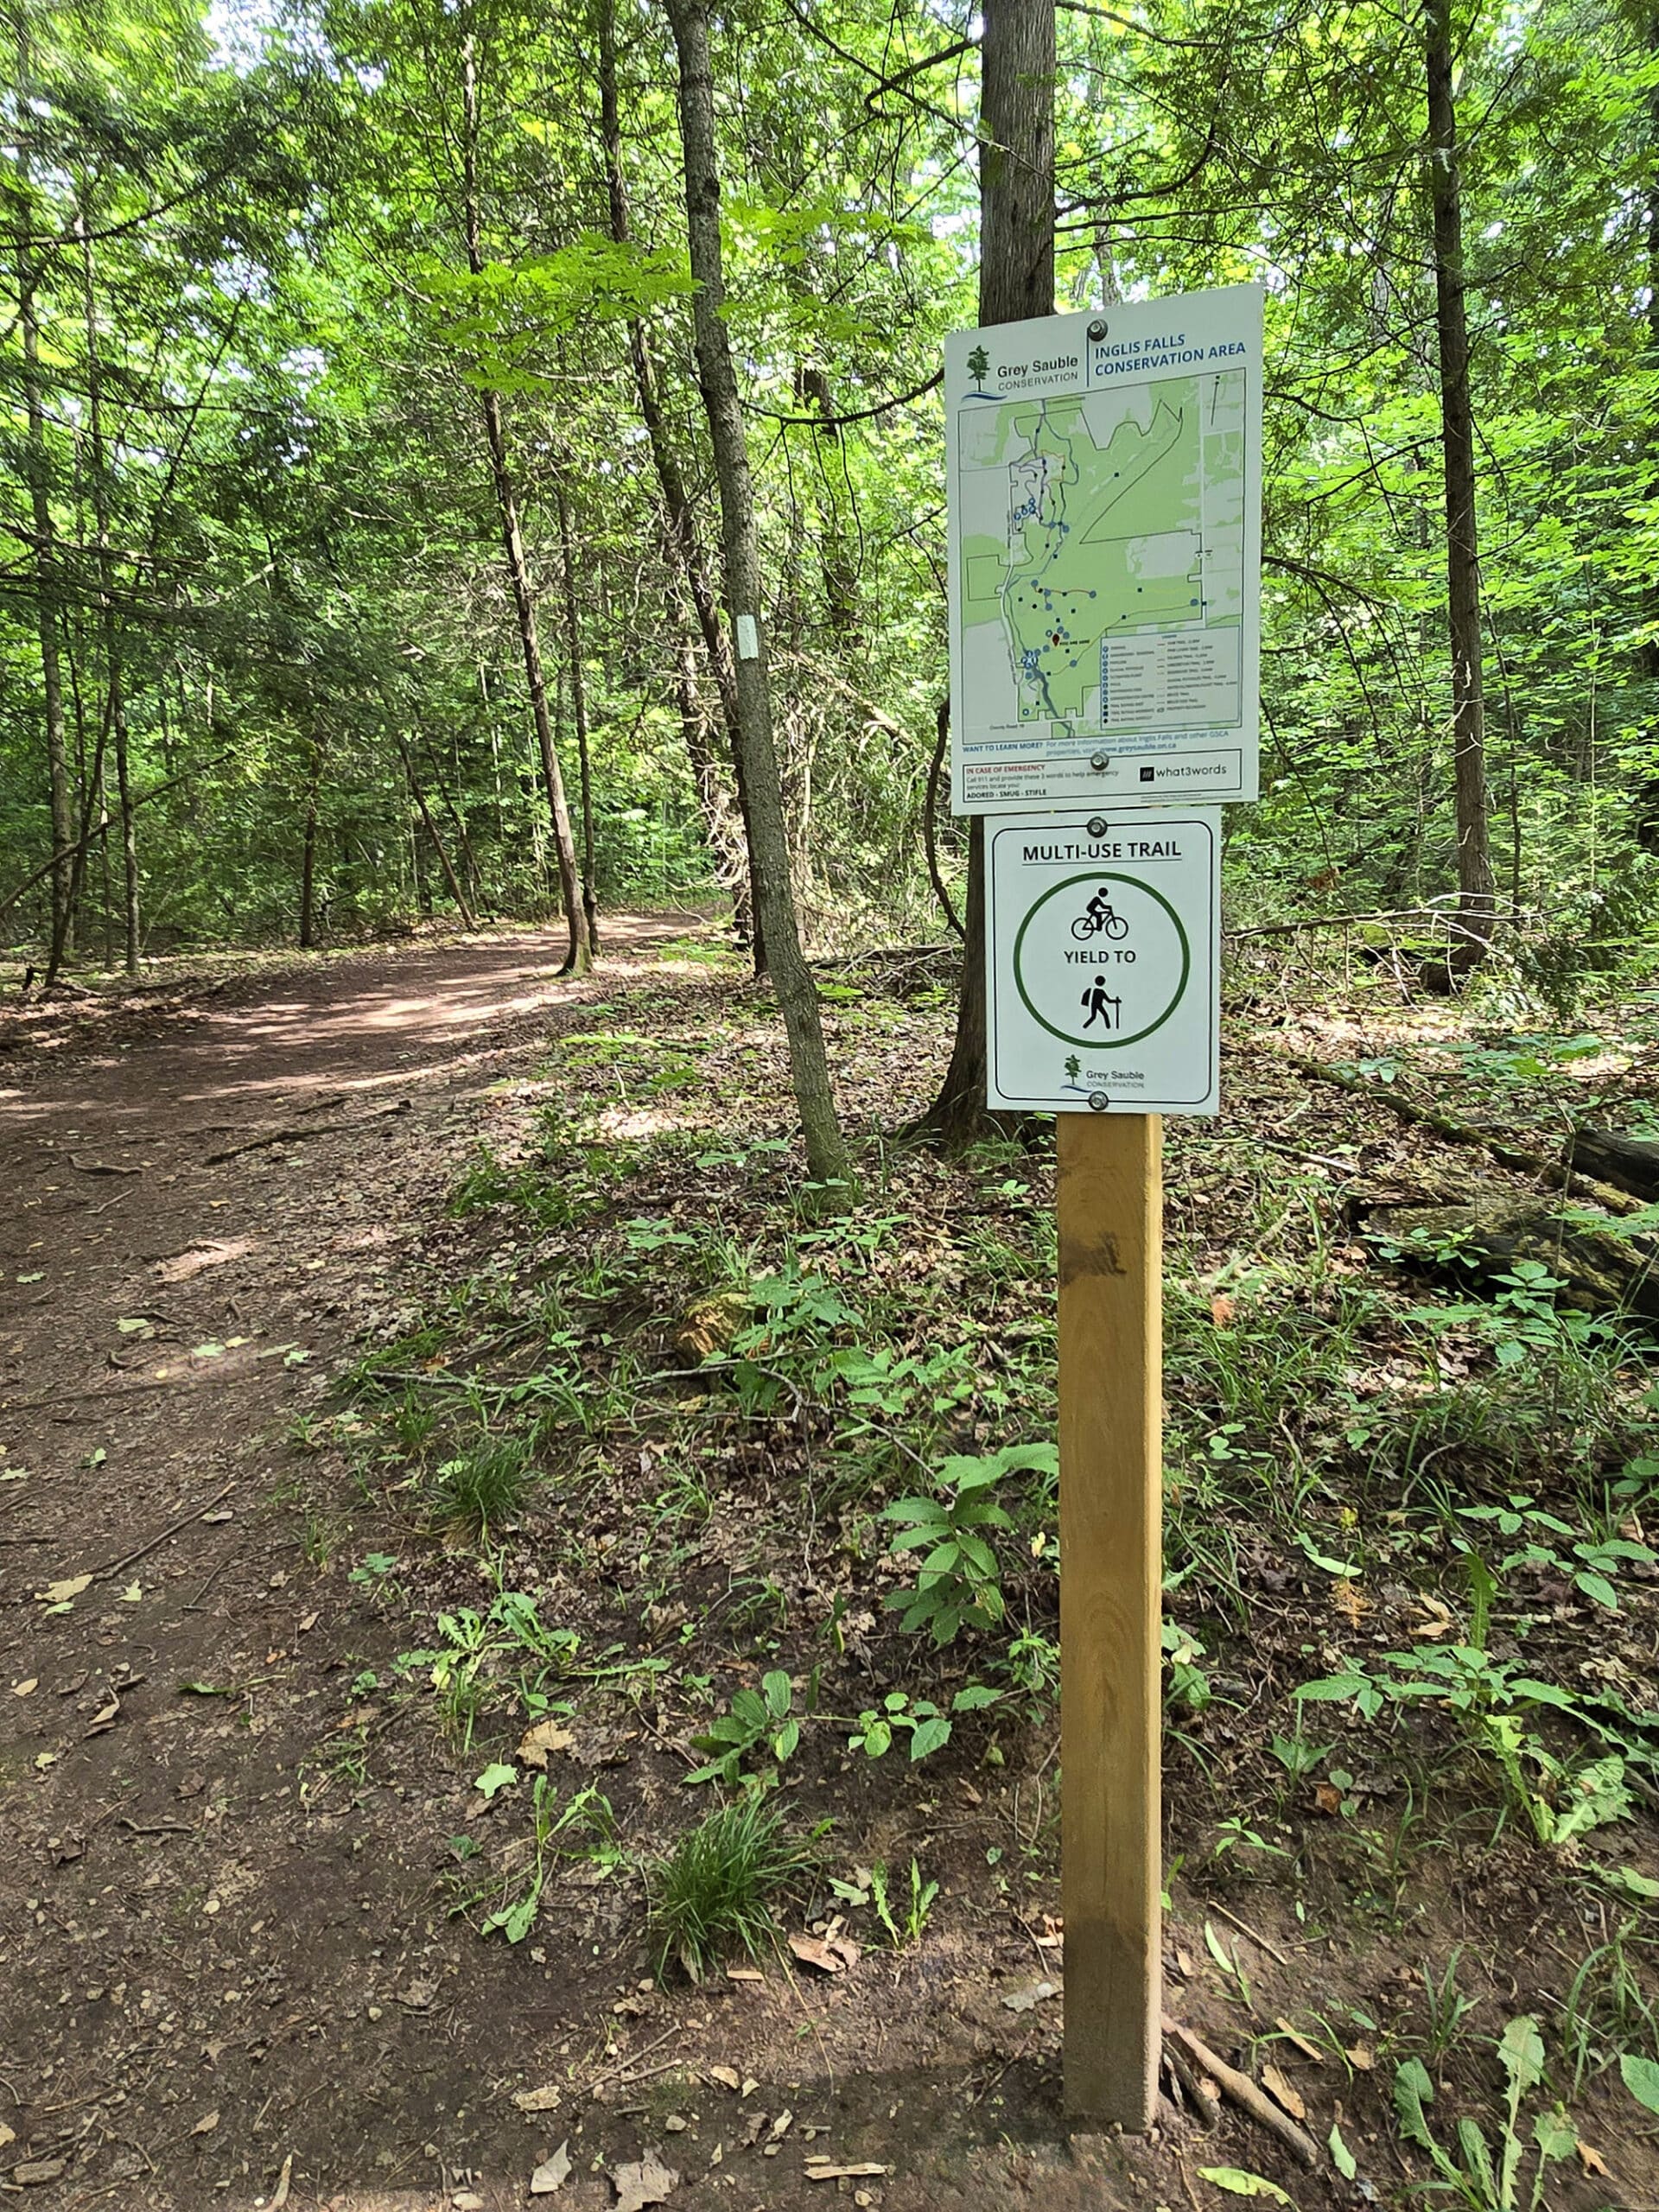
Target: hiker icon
<point x="1098" y="919"/>
<point x="1102" y="1005"/>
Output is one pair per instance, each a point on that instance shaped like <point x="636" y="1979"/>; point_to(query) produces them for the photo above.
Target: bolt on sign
<point x="1103" y="483"/>
<point x="1100" y="965"/>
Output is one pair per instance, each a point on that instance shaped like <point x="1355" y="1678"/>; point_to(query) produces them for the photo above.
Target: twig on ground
<point x="1245" y="1929"/>
<point x="155" y="1542"/>
<point x="293" y="1135"/>
<point x="1245" y="2094"/>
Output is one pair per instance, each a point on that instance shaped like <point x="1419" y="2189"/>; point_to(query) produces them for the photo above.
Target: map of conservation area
<point x="1101" y="549"/>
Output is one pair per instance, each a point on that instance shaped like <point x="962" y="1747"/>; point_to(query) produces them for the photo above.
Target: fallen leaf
<point x="495" y="1776"/>
<point x="1363" y="2057"/>
<point x="1308" y="2050"/>
<point x="27" y="1688"/>
<point x="553" y="2172"/>
<point x="813" y="1951"/>
<point x="1274" y="2082"/>
<point x="1028" y="1998"/>
<point x="1345" y="1596"/>
<point x="104" y="1718"/>
<point x="1239" y="2183"/>
<point x="649" y="2181"/>
<point x="727" y="2077"/>
<point x="1591" y="2158"/>
<point x="545" y="2099"/>
<point x="418" y="1995"/>
<point x="536" y="1744"/>
<point x="309" y="1623"/>
<point x="781" y="2126"/>
<point x="133" y="1594"/>
<point x="206" y="2124"/>
<point x="1222" y="1309"/>
<point x="59" y="1593"/>
<point x="1327" y="1799"/>
<point x="7" y="2135"/>
<point x="1437" y="1619"/>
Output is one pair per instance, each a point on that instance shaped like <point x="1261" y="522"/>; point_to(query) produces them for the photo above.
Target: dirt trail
<point x="178" y="1939"/>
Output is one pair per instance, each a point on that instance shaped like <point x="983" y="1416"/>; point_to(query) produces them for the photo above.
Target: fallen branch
<point x="294" y="1135"/>
<point x="1516" y="1158"/>
<point x="155" y="1542"/>
<point x="1245" y="2094"/>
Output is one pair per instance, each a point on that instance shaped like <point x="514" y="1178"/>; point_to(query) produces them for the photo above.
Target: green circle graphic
<point x="1102" y="875"/>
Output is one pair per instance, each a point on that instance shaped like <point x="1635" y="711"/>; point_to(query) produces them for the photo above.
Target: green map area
<point x="1120" y="514"/>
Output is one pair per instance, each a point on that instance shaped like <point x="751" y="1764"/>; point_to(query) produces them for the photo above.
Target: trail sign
<point x="1104" y="489"/>
<point x="1100" y="949"/>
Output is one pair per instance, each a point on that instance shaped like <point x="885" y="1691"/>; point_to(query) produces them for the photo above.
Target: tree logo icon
<point x="1074" y="1069"/>
<point x="979" y="365"/>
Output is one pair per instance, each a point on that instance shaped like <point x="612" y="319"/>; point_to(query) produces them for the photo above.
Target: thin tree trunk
<point x="308" y="851"/>
<point x="38" y="470"/>
<point x="579" y="959"/>
<point x="436" y="842"/>
<point x="114" y="674"/>
<point x="685" y="546"/>
<point x="579" y="715"/>
<point x="1016" y="280"/>
<point x="1475" y="885"/>
<point x="826" y="1152"/>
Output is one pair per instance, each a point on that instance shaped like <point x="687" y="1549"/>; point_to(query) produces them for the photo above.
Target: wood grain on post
<point x="1110" y="1207"/>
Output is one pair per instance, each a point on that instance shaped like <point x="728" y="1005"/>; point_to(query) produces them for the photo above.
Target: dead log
<point x="1612" y="1156"/>
<point x="1599" y="1272"/>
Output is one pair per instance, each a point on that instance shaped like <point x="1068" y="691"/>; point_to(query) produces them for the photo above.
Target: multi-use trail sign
<point x="1100" y="944"/>
<point x="1104" y="495"/>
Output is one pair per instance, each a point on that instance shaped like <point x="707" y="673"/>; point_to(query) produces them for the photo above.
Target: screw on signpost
<point x="1110" y="1209"/>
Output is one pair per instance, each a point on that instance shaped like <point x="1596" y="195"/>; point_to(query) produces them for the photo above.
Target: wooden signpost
<point x="1104" y="484"/>
<point x="1110" y="1200"/>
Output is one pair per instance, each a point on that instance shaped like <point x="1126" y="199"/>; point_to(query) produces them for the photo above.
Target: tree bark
<point x="579" y="715"/>
<point x="826" y="1152"/>
<point x="1474" y="882"/>
<point x="1016" y="280"/>
<point x="579" y="959"/>
<point x="38" y="469"/>
<point x="683" y="542"/>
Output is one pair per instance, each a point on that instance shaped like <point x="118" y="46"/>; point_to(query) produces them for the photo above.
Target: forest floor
<point x="414" y="1376"/>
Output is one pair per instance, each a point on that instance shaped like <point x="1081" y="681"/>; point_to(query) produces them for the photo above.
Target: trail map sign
<point x="1104" y="480"/>
<point x="1102" y="970"/>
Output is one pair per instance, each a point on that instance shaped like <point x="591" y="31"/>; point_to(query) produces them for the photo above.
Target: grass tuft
<point x="484" y="1487"/>
<point x="712" y="1893"/>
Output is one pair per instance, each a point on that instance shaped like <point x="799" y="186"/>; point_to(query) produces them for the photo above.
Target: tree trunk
<point x="579" y="959"/>
<point x="309" y="852"/>
<point x="579" y="715"/>
<point x="826" y="1152"/>
<point x="436" y="842"/>
<point x="38" y="470"/>
<point x="110" y="625"/>
<point x="1475" y="884"/>
<point x="1016" y="280"/>
<point x="685" y="546"/>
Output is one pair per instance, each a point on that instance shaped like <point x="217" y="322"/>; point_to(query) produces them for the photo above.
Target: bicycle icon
<point x="1099" y="918"/>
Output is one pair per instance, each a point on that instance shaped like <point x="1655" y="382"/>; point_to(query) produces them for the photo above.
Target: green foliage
<point x="756" y="1721"/>
<point x="1483" y="2172"/>
<point x="714" y="1893"/>
<point x="958" y="1584"/>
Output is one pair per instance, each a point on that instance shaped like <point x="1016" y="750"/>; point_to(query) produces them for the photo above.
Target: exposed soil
<point x="228" y="1970"/>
